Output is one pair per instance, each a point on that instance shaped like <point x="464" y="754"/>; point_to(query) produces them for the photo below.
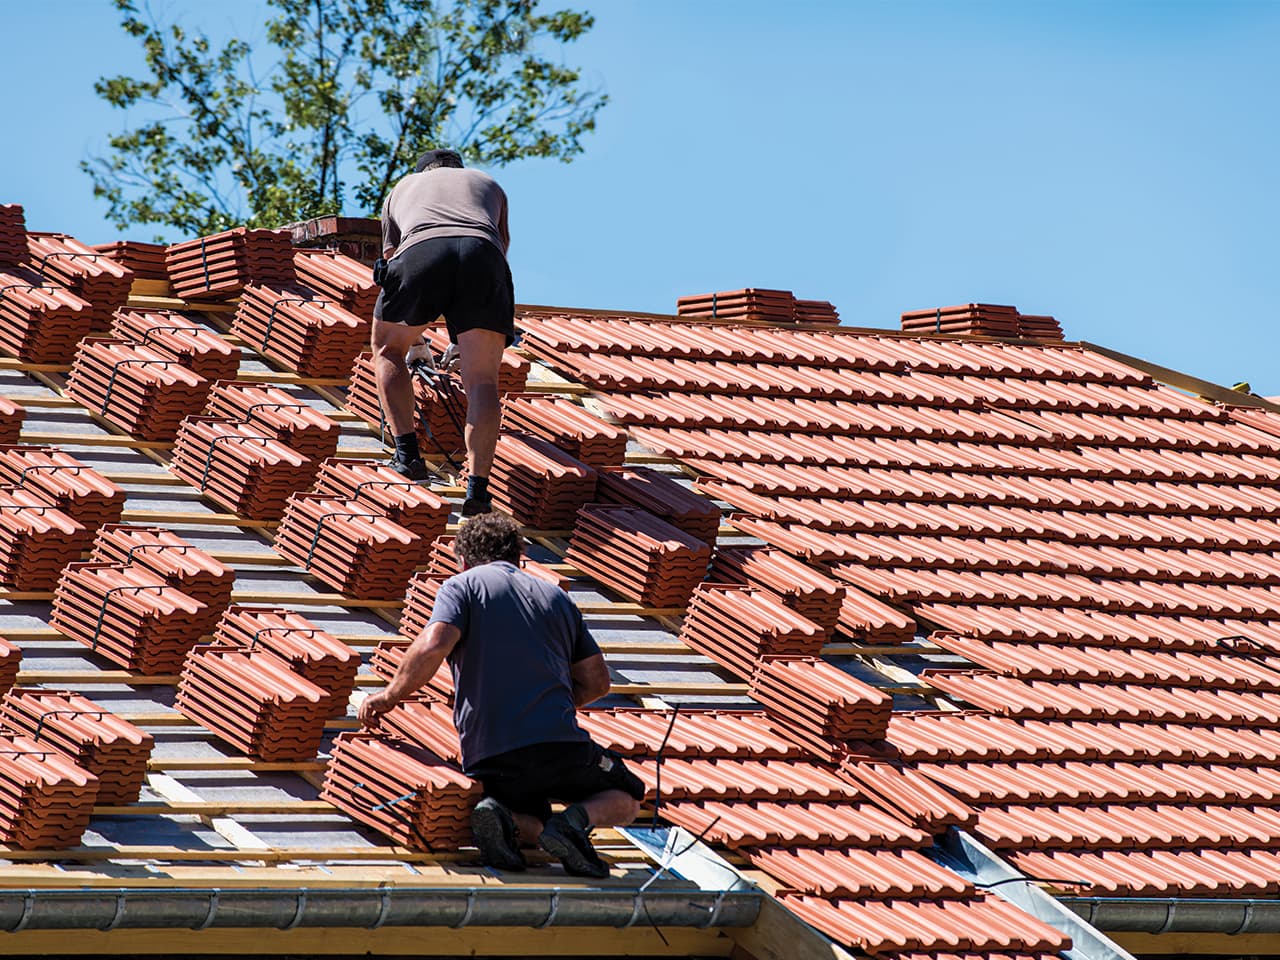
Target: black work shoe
<point x="567" y="837"/>
<point x="474" y="506"/>
<point x="414" y="470"/>
<point x="496" y="836"/>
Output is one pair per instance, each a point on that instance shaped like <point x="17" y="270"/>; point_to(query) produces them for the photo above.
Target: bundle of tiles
<point x="11" y="417"/>
<point x="40" y="322"/>
<point x="692" y="733"/>
<point x="441" y="411"/>
<point x="97" y="278"/>
<point x="1039" y="327"/>
<point x="966" y="319"/>
<point x="641" y="557"/>
<point x="311" y="653"/>
<point x="540" y="485"/>
<point x="172" y="335"/>
<point x="174" y="560"/>
<point x="443" y="561"/>
<point x="239" y="467"/>
<point x="402" y="790"/>
<point x="353" y="549"/>
<point x="58" y="478"/>
<point x="736" y="626"/>
<point x="46" y="799"/>
<point x="419" y="601"/>
<point x="10" y="661"/>
<point x="513" y="369"/>
<point x="426" y="721"/>
<point x="137" y="389"/>
<point x="339" y="278"/>
<point x="818" y="704"/>
<point x="107" y="746"/>
<point x="253" y="701"/>
<point x="662" y="496"/>
<point x="572" y="428"/>
<point x="866" y="619"/>
<point x="902" y="789"/>
<point x="300" y="330"/>
<point x="127" y="614"/>
<point x="275" y="413"/>
<point x="218" y="267"/>
<point x="386" y="658"/>
<point x="13" y="235"/>
<point x="808" y="592"/>
<point x="146" y="260"/>
<point x="36" y="540"/>
<point x="817" y="311"/>
<point x="379" y="488"/>
<point x="752" y="304"/>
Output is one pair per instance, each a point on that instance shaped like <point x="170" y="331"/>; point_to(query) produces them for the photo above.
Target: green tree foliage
<point x="357" y="90"/>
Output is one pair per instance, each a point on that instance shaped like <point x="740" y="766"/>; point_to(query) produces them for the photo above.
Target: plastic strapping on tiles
<point x="208" y="457"/>
<point x="106" y="599"/>
<point x="271" y="318"/>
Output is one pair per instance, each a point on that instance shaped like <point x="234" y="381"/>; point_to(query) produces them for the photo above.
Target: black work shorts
<point x="526" y="780"/>
<point x="464" y="279"/>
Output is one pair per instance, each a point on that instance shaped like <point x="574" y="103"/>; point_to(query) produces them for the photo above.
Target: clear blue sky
<point x="1111" y="163"/>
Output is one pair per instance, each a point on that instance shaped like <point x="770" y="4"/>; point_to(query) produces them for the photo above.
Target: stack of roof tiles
<point x="638" y="555"/>
<point x="418" y="602"/>
<point x="146" y="260"/>
<point x="254" y="701"/>
<point x="312" y="653"/>
<point x="736" y="626"/>
<point x="127" y="614"/>
<point x="404" y="791"/>
<point x="107" y="746"/>
<point x="275" y="413"/>
<point x="172" y="335"/>
<point x="441" y="413"/>
<point x="818" y="703"/>
<point x="539" y="484"/>
<point x="11" y="416"/>
<point x="140" y="390"/>
<point x="101" y="281"/>
<point x="36" y="540"/>
<point x="13" y="234"/>
<point x="817" y="311"/>
<point x="300" y="330"/>
<point x="981" y="320"/>
<point x="427" y="721"/>
<point x="40" y="322"/>
<point x="239" y="466"/>
<point x="573" y="429"/>
<point x="338" y="278"/>
<point x="355" y="550"/>
<point x="513" y="369"/>
<point x="173" y="559"/>
<point x="663" y="497"/>
<point x="80" y="492"/>
<point x="377" y="487"/>
<point x="218" y="267"/>
<point x="10" y="661"/>
<point x="46" y="799"/>
<point x="752" y="304"/>
<point x="807" y="591"/>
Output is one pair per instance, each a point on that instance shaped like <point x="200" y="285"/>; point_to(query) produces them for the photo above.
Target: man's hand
<point x="373" y="707"/>
<point x="451" y="359"/>
<point x="420" y="352"/>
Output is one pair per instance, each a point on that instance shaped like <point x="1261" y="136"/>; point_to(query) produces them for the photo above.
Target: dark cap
<point x="438" y="158"/>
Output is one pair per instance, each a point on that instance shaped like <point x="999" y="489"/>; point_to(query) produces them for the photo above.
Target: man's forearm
<point x="421" y="661"/>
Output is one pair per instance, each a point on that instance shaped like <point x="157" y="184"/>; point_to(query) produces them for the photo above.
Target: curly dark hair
<point x="438" y="158"/>
<point x="487" y="538"/>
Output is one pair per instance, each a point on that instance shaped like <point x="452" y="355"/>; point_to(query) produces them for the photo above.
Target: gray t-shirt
<point x="445" y="202"/>
<point x="511" y="667"/>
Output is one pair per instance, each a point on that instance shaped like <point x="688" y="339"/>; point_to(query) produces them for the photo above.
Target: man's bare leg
<point x="480" y="357"/>
<point x="390" y="342"/>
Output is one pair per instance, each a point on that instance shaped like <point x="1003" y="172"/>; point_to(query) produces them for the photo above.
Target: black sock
<point x="407" y="448"/>
<point x="477" y="488"/>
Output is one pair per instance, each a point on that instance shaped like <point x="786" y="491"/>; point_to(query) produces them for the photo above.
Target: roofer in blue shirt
<point x="523" y="661"/>
<point x="444" y="240"/>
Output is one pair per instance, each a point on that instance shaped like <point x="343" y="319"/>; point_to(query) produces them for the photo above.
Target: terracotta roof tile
<point x="661" y="496"/>
<point x="539" y="484"/>
<point x="300" y="329"/>
<point x="276" y="413"/>
<point x="337" y="277"/>
<point x="36" y="540"/>
<point x="40" y="322"/>
<point x="1158" y="873"/>
<point x="219" y="266"/>
<point x="240" y="467"/>
<point x="378" y="487"/>
<point x="727" y="779"/>
<point x="569" y="426"/>
<point x="146" y="260"/>
<point x="138" y="389"/>
<point x="13" y="234"/>
<point x="174" y="336"/>
<point x="46" y="799"/>
<point x="689" y="733"/>
<point x="874" y="874"/>
<point x="849" y="824"/>
<point x="442" y="412"/>
<point x="638" y="555"/>
<point x="737" y="625"/>
<point x="103" y="282"/>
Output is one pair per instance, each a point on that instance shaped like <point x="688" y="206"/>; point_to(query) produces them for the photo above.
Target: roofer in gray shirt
<point x="444" y="239"/>
<point x="523" y="661"/>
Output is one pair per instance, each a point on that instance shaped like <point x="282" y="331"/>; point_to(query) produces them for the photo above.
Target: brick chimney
<point x="357" y="237"/>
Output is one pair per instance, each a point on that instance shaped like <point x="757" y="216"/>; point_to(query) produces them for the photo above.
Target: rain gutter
<point x="1176" y="914"/>
<point x="370" y="908"/>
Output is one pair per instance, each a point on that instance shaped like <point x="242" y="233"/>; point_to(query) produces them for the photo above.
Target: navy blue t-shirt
<point x="511" y="667"/>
